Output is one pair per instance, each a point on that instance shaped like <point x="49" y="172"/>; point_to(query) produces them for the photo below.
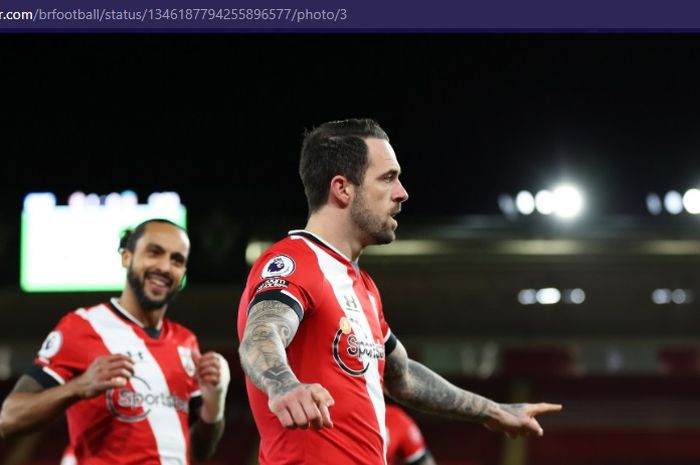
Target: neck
<point x="150" y="318"/>
<point x="337" y="230"/>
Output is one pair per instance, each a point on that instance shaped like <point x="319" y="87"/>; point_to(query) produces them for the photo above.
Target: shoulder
<point x="294" y="248"/>
<point x="180" y="333"/>
<point x="77" y="320"/>
<point x="72" y="337"/>
<point x="368" y="280"/>
<point x="288" y="258"/>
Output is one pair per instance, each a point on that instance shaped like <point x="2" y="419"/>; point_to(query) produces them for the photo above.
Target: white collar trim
<point x="297" y="231"/>
<point x="128" y="315"/>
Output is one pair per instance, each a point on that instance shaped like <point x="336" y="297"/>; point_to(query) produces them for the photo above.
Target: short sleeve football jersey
<point x="144" y="422"/>
<point x="341" y="343"/>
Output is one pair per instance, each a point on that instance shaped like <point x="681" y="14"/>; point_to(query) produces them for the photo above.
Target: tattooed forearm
<point x="414" y="385"/>
<point x="270" y="328"/>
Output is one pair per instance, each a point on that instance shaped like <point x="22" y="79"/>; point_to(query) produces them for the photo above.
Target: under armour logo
<point x="350" y="301"/>
<point x="136" y="356"/>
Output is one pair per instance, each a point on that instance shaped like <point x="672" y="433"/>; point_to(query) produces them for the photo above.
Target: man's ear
<point x="126" y="258"/>
<point x="342" y="191"/>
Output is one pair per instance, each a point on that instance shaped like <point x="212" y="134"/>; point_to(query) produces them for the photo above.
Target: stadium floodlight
<point x="527" y="296"/>
<point x="525" y="202"/>
<point x="661" y="296"/>
<point x="548" y="296"/>
<point x="544" y="202"/>
<point x="691" y="201"/>
<point x="673" y="202"/>
<point x="574" y="296"/>
<point x="654" y="204"/>
<point x="507" y="206"/>
<point x="678" y="296"/>
<point x="568" y="201"/>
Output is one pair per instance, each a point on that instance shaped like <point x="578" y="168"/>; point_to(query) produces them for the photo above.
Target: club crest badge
<point x="186" y="359"/>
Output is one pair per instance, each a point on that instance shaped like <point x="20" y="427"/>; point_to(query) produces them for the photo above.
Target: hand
<point x="303" y="406"/>
<point x="210" y="369"/>
<point x="214" y="375"/>
<point x="105" y="372"/>
<point x="519" y="419"/>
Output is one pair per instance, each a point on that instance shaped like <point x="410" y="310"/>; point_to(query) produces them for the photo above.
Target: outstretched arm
<point x="29" y="406"/>
<point x="415" y="385"/>
<point x="269" y="330"/>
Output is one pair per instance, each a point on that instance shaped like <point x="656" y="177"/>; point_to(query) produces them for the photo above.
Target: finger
<point x="117" y="381"/>
<point x="208" y="364"/>
<point x="313" y="415"/>
<point x="208" y="373"/>
<point x="298" y="415"/>
<point x="310" y="403"/>
<point x="114" y="358"/>
<point x="122" y="366"/>
<point x="117" y="357"/>
<point x="208" y="367"/>
<point x="285" y="418"/>
<point x="118" y="372"/>
<point x="325" y="415"/>
<point x="534" y="427"/>
<point x="209" y="357"/>
<point x="323" y="400"/>
<point x="536" y="409"/>
<point x="209" y="380"/>
<point x="196" y="358"/>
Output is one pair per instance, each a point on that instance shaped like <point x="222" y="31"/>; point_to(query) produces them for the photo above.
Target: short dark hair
<point x="131" y="236"/>
<point x="335" y="148"/>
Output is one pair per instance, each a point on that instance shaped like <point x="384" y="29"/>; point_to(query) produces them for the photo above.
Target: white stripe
<point x="291" y="296"/>
<point x="416" y="455"/>
<point x="128" y="315"/>
<point x="388" y="335"/>
<point x="297" y="231"/>
<point x="54" y="375"/>
<point x="119" y="338"/>
<point x="337" y="275"/>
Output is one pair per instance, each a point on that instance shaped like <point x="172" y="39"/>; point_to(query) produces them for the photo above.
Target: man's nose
<point x="402" y="194"/>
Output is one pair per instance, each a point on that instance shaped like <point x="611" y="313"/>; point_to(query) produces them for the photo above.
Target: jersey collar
<point x="121" y="311"/>
<point x="314" y="238"/>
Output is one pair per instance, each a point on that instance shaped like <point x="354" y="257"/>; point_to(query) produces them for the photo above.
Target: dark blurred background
<point x="474" y="119"/>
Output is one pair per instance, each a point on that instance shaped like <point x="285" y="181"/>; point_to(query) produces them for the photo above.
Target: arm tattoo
<point x="415" y="385"/>
<point x="270" y="328"/>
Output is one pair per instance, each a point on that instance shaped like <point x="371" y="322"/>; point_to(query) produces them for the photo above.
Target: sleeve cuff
<point x="44" y="376"/>
<point x="279" y="296"/>
<point x="390" y="344"/>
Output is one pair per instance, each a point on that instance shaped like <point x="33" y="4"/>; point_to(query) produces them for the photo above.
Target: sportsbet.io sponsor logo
<point x="272" y="282"/>
<point x="281" y="265"/>
<point x="133" y="403"/>
<point x="351" y="353"/>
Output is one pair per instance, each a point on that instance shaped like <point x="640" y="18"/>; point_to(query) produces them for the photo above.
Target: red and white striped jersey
<point x="145" y="422"/>
<point x="405" y="439"/>
<point x="341" y="343"/>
